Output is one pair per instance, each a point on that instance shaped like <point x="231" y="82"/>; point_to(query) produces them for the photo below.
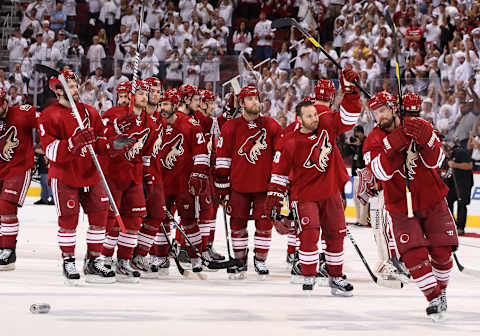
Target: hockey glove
<point x="274" y="201"/>
<point x="395" y="142"/>
<point x="222" y="188"/>
<point x="283" y="226"/>
<point x="347" y="78"/>
<point x="366" y="186"/>
<point x="124" y="124"/>
<point x="197" y="184"/>
<point x="120" y="144"/>
<point x="81" y="139"/>
<point x="419" y="130"/>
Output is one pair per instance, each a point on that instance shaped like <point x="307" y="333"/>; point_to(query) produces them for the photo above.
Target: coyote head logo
<point x="136" y="148"/>
<point x="158" y="142"/>
<point x="8" y="142"/>
<point x="175" y="150"/>
<point x="253" y="146"/>
<point x="318" y="157"/>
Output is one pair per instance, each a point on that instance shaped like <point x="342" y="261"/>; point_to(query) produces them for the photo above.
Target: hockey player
<point x="184" y="157"/>
<point x="425" y="241"/>
<point x="153" y="185"/>
<point x="16" y="163"/>
<point x="123" y="93"/>
<point x="124" y="174"/>
<point x="244" y="159"/>
<point x="319" y="175"/>
<point x="230" y="111"/>
<point x="74" y="178"/>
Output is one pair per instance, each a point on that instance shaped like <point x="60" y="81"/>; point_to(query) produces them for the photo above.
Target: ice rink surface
<point x="218" y="306"/>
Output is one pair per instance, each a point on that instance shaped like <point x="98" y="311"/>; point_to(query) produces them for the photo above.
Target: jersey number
<point x="200" y="138"/>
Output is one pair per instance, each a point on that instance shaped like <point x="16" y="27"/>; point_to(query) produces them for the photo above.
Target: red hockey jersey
<point x="245" y="152"/>
<point x="16" y="140"/>
<point x="129" y="167"/>
<point x="156" y="167"/>
<point x="183" y="150"/>
<point x="313" y="161"/>
<point x="425" y="184"/>
<point x="56" y="125"/>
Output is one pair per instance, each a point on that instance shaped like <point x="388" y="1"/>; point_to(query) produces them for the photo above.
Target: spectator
<point x="48" y="55"/>
<point x="129" y="20"/>
<point x="283" y="58"/>
<point x="19" y="78"/>
<point x="70" y="9"/>
<point x="41" y="161"/>
<point x="36" y="10"/>
<point x="107" y="16"/>
<point x="209" y="42"/>
<point x="205" y="11"/>
<point x="58" y="17"/>
<point x="210" y="68"/>
<point x="241" y="38"/>
<point x="162" y="49"/>
<point x="121" y="40"/>
<point x="192" y="75"/>
<point x="225" y="11"/>
<point x="300" y="82"/>
<point x="62" y="44"/>
<point x="75" y="52"/>
<point x="174" y="69"/>
<point x="30" y="26"/>
<point x="155" y="15"/>
<point x="465" y="122"/>
<point x="16" y="45"/>
<point x="186" y="9"/>
<point x="13" y="98"/>
<point x="103" y="39"/>
<point x="98" y="80"/>
<point x="46" y="31"/>
<point x="94" y="7"/>
<point x="129" y="62"/>
<point x="88" y="92"/>
<point x="103" y="102"/>
<point x="95" y="54"/>
<point x="148" y="65"/>
<point x="464" y="69"/>
<point x="264" y="34"/>
<point x="473" y="145"/>
<point x="4" y="83"/>
<point x="116" y="79"/>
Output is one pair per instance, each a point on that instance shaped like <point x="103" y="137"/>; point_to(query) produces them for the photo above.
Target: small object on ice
<point x="40" y="308"/>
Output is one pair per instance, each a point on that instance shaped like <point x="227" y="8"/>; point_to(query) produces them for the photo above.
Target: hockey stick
<point x="226" y="230"/>
<point x="395" y="284"/>
<point x="208" y="263"/>
<point x="408" y="194"/>
<point x="52" y="72"/>
<point x="181" y="270"/>
<point x="137" y="59"/>
<point x="466" y="270"/>
<point x="287" y="22"/>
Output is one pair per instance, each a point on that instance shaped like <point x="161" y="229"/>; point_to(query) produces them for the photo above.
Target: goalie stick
<point x="408" y="193"/>
<point x="395" y="284"/>
<point x="52" y="72"/>
<point x="288" y="22"/>
<point x="466" y="270"/>
<point x="208" y="263"/>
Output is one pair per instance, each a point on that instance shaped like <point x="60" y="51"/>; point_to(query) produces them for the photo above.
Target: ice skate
<point x="72" y="277"/>
<point x="214" y="255"/>
<point x="443" y="298"/>
<point x="108" y="262"/>
<point x="260" y="268"/>
<point x="436" y="310"/>
<point x="290" y="260"/>
<point x="7" y="259"/>
<point x="322" y="274"/>
<point x="96" y="272"/>
<point x="142" y="264"/>
<point x="340" y="287"/>
<point x="238" y="273"/>
<point x="162" y="264"/>
<point x="387" y="271"/>
<point x="206" y="255"/>
<point x="184" y="259"/>
<point x="296" y="272"/>
<point x="125" y="272"/>
<point x="197" y="268"/>
<point x="308" y="284"/>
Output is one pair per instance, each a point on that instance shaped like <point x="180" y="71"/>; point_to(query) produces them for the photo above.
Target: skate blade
<point x="437" y="318"/>
<point x="127" y="279"/>
<point x="200" y="275"/>
<point x="90" y="278"/>
<point x="307" y="292"/>
<point x="322" y="282"/>
<point x="189" y="275"/>
<point x="9" y="267"/>
<point x="186" y="265"/>
<point x="219" y="259"/>
<point x="296" y="279"/>
<point x="149" y="275"/>
<point x="340" y="293"/>
<point x="72" y="282"/>
<point x="262" y="277"/>
<point x="238" y="276"/>
<point x="206" y="269"/>
<point x="163" y="272"/>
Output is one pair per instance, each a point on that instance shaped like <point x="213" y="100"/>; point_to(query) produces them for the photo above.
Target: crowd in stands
<point x="194" y="41"/>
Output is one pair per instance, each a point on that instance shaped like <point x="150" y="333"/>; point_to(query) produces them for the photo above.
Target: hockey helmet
<point x="412" y="103"/>
<point x="248" y="91"/>
<point x="229" y="103"/>
<point x="170" y="95"/>
<point x="380" y="99"/>
<point x="124" y="87"/>
<point x="309" y="99"/>
<point x="141" y="85"/>
<point x="206" y="95"/>
<point x="324" y="90"/>
<point x="3" y="95"/>
<point x="54" y="82"/>
<point x="154" y="82"/>
<point x="186" y="90"/>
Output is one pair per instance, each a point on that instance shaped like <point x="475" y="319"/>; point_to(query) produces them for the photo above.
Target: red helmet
<point x="154" y="82"/>
<point x="206" y="95"/>
<point x="229" y="103"/>
<point x="186" y="90"/>
<point x="324" y="90"/>
<point x="3" y="95"/>
<point x="412" y="103"/>
<point x="248" y="91"/>
<point x="380" y="99"/>
<point x="54" y="82"/>
<point x="124" y="87"/>
<point x="170" y="95"/>
<point x="309" y="98"/>
<point x="142" y="85"/>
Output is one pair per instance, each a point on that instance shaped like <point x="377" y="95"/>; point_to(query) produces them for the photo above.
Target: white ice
<point x="219" y="306"/>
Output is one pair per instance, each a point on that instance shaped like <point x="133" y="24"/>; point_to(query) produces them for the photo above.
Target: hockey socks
<point x="419" y="266"/>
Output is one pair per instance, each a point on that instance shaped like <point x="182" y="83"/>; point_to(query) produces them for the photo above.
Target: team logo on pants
<point x="319" y="152"/>
<point x="253" y="146"/>
<point x="175" y="149"/>
<point x="8" y="141"/>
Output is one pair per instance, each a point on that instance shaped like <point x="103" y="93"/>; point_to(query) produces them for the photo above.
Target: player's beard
<point x="3" y="110"/>
<point x="310" y="126"/>
<point x="385" y="123"/>
<point x="166" y="113"/>
<point x="140" y="104"/>
<point x="254" y="111"/>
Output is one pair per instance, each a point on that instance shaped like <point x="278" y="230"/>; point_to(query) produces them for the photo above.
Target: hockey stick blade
<point x="46" y="70"/>
<point x="466" y="270"/>
<point x="395" y="284"/>
<point x="282" y="23"/>
<point x="225" y="264"/>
